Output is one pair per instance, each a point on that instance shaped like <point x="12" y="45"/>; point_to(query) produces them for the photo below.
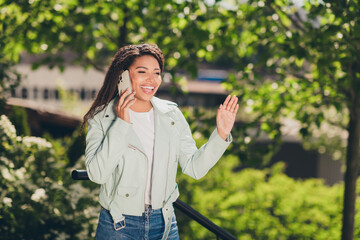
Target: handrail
<point x="181" y="206"/>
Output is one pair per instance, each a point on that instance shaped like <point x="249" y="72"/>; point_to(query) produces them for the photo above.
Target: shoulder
<point x="157" y="100"/>
<point x="163" y="106"/>
<point x="170" y="103"/>
<point x="105" y="111"/>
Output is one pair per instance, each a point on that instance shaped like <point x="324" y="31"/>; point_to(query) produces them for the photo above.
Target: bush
<point x="38" y="198"/>
<point x="262" y="204"/>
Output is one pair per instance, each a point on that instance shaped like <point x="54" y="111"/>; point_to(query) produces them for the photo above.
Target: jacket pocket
<point x="127" y="192"/>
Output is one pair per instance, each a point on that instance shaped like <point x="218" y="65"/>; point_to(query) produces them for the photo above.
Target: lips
<point x="147" y="89"/>
<point x="151" y="88"/>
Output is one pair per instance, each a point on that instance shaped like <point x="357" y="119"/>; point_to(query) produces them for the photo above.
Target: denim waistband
<point x="152" y="211"/>
<point x="149" y="209"/>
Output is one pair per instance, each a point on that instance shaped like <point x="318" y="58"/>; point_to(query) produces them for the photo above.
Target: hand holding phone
<point x="124" y="103"/>
<point x="124" y="83"/>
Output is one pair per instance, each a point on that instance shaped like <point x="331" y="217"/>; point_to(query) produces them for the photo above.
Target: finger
<point x="219" y="112"/>
<point x="119" y="103"/>
<point x="122" y="95"/>
<point x="129" y="103"/>
<point x="233" y="103"/>
<point x="118" y="107"/>
<point x="236" y="109"/>
<point x="123" y="100"/>
<point x="129" y="97"/>
<point x="226" y="101"/>
<point x="230" y="103"/>
<point x="220" y="109"/>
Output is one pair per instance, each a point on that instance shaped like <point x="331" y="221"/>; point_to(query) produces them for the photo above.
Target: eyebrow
<point x="147" y="68"/>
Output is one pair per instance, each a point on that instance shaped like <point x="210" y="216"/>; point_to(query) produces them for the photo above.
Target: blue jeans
<point x="149" y="226"/>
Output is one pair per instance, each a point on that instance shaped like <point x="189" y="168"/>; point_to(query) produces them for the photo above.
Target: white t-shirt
<point x="143" y="125"/>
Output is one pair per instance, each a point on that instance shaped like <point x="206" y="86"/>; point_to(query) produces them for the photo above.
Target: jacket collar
<point x="162" y="106"/>
<point x="109" y="111"/>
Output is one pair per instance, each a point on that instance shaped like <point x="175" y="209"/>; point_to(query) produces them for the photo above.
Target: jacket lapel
<point x="164" y="124"/>
<point x="164" y="130"/>
<point x="108" y="117"/>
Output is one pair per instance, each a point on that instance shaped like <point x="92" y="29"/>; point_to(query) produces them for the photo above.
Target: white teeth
<point x="148" y="88"/>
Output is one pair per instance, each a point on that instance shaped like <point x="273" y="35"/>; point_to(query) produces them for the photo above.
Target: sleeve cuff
<point x="229" y="138"/>
<point x="219" y="140"/>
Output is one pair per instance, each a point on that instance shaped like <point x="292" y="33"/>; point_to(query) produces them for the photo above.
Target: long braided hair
<point x="122" y="60"/>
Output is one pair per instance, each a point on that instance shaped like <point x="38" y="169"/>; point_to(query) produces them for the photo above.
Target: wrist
<point x="223" y="135"/>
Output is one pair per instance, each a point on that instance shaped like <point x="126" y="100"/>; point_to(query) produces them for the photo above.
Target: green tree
<point x="89" y="32"/>
<point x="290" y="61"/>
<point x="301" y="62"/>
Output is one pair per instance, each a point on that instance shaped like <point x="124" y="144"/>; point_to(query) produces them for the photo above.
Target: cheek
<point x="133" y="83"/>
<point x="135" y="80"/>
<point x="138" y="79"/>
<point x="158" y="81"/>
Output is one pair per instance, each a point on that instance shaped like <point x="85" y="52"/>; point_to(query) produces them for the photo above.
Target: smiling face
<point x="145" y="74"/>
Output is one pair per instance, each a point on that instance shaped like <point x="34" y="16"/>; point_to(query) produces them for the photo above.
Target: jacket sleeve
<point x="104" y="148"/>
<point x="197" y="162"/>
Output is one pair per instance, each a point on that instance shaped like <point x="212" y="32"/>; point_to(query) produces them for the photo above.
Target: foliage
<point x="293" y="61"/>
<point x="90" y="32"/>
<point x="310" y="49"/>
<point x="262" y="204"/>
<point x="301" y="61"/>
<point x="39" y="200"/>
<point x="18" y="117"/>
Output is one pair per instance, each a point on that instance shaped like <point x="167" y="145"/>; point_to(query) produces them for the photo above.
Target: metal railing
<point x="181" y="206"/>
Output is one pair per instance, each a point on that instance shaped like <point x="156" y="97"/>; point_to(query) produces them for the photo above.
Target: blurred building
<point x="74" y="89"/>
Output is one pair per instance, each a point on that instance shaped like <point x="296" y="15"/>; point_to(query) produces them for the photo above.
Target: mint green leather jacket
<point x="114" y="158"/>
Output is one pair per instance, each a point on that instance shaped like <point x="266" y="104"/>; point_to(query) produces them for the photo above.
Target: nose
<point x="150" y="78"/>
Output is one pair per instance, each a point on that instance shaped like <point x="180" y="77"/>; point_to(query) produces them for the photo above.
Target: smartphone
<point x="125" y="82"/>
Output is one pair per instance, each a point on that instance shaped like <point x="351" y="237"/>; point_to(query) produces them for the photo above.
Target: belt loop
<point x="121" y="225"/>
<point x="147" y="210"/>
<point x="148" y="207"/>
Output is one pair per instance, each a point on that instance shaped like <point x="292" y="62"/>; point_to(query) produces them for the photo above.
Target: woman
<point x="134" y="144"/>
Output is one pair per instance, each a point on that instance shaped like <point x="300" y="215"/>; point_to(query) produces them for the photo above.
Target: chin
<point x="146" y="98"/>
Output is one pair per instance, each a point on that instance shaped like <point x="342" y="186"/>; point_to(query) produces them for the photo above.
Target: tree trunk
<point x="352" y="165"/>
<point x="123" y="31"/>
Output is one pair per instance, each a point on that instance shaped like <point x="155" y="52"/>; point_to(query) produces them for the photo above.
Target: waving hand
<point x="225" y="117"/>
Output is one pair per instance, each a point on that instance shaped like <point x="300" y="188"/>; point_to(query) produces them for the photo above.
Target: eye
<point x="141" y="71"/>
<point x="158" y="73"/>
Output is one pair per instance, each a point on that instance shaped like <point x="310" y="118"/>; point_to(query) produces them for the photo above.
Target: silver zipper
<point x="135" y="148"/>
<point x="167" y="176"/>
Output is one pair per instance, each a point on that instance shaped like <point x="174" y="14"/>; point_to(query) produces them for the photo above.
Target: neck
<point x="141" y="106"/>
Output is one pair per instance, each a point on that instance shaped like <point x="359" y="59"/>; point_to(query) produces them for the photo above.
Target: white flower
<point x="7" y="201"/>
<point x="38" y="195"/>
<point x="25" y="206"/>
<point x="40" y="142"/>
<point x="56" y="211"/>
<point x="6" y="174"/>
<point x="7" y="127"/>
<point x="61" y="236"/>
<point x="20" y="173"/>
